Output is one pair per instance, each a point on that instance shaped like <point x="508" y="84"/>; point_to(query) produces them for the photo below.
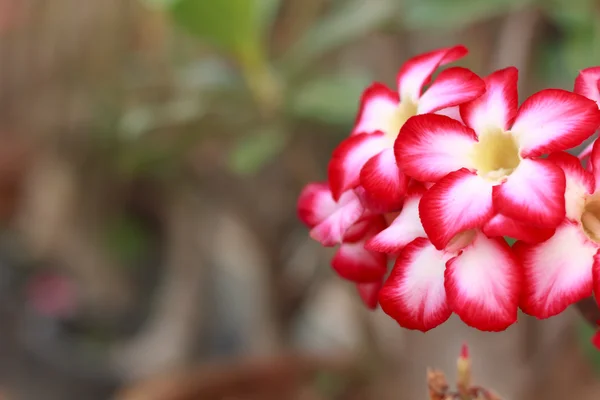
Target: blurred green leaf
<point x="578" y="47"/>
<point x="254" y="150"/>
<point x="232" y="25"/>
<point x="267" y="13"/>
<point x="126" y="239"/>
<point x="159" y="3"/>
<point x="510" y="240"/>
<point x="450" y="14"/>
<point x="584" y="337"/>
<point x="352" y="20"/>
<point x="332" y="99"/>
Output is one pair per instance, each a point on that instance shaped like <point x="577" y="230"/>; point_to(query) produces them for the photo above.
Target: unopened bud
<point x="464" y="371"/>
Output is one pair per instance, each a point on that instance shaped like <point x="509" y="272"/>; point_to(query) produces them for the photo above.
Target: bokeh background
<point x="151" y="154"/>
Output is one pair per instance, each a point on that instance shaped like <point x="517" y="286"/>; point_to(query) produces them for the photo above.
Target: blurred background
<point x="151" y="154"/>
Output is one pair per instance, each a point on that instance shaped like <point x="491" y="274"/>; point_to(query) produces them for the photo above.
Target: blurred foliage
<point x="277" y="90"/>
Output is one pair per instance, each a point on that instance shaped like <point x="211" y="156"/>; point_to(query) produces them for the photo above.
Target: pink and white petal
<point x="382" y="180"/>
<point x="594" y="163"/>
<point x="354" y="263"/>
<point x="405" y="228"/>
<point x="580" y="183"/>
<point x="378" y="105"/>
<point x="587" y="151"/>
<point x="460" y="201"/>
<point x="534" y="194"/>
<point x="430" y="146"/>
<point x="587" y="84"/>
<point x="501" y="225"/>
<point x="483" y="284"/>
<point x="452" y="87"/>
<point x="596" y="278"/>
<point x="554" y="120"/>
<point x="557" y="272"/>
<point x="497" y="107"/>
<point x="417" y="71"/>
<point x="369" y="293"/>
<point x="452" y="112"/>
<point x="315" y="203"/>
<point x="414" y="293"/>
<point x="350" y="157"/>
<point x="367" y="225"/>
<point x="332" y="230"/>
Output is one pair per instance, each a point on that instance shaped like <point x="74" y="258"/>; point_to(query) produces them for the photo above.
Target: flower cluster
<point x="437" y="175"/>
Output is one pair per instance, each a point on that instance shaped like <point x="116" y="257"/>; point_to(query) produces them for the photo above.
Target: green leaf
<point x="232" y="25"/>
<point x="330" y="99"/>
<point x="267" y="13"/>
<point x="510" y="240"/>
<point x="126" y="239"/>
<point x="452" y="14"/>
<point x="345" y="24"/>
<point x="160" y="4"/>
<point x="253" y="151"/>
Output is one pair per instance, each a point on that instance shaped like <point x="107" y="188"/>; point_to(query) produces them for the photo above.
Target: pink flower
<point x="367" y="157"/>
<point x="474" y="276"/>
<point x="564" y="269"/>
<point x="345" y="223"/>
<point x="491" y="166"/>
<point x="587" y="84"/>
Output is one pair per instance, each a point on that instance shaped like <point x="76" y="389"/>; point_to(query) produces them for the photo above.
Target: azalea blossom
<point x="491" y="164"/>
<point x="587" y="84"/>
<point x="474" y="276"/>
<point x="366" y="158"/>
<point x="345" y="223"/>
<point x="564" y="269"/>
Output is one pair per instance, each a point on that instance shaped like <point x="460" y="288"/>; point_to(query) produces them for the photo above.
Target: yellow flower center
<point x="590" y="219"/>
<point x="405" y="110"/>
<point x="496" y="155"/>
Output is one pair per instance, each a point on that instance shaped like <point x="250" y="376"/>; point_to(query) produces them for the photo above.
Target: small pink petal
<point x="430" y="146"/>
<point x="596" y="340"/>
<point x="332" y="230"/>
<point x="417" y="71"/>
<point x="382" y="180"/>
<point x="501" y="225"/>
<point x="594" y="163"/>
<point x="452" y="112"/>
<point x="554" y="120"/>
<point x="315" y="204"/>
<point x="414" y="293"/>
<point x="579" y="183"/>
<point x="353" y="262"/>
<point x="497" y="108"/>
<point x="452" y="87"/>
<point x="405" y="228"/>
<point x="587" y="84"/>
<point x="534" y="194"/>
<point x="378" y="105"/>
<point x="483" y="284"/>
<point x="460" y="201"/>
<point x="369" y="293"/>
<point x="350" y="157"/>
<point x="587" y="151"/>
<point x="557" y="272"/>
